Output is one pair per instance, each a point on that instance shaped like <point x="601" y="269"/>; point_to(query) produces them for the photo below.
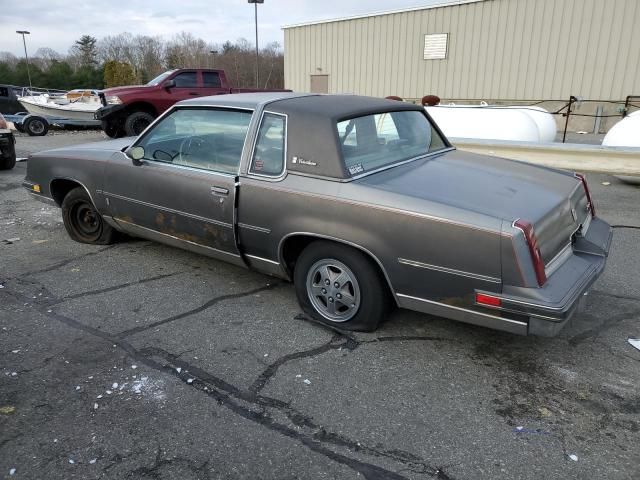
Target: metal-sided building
<point x="494" y="50"/>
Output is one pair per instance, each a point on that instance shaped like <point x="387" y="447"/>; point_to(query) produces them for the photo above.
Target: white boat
<point x="80" y="108"/>
<point x="495" y="122"/>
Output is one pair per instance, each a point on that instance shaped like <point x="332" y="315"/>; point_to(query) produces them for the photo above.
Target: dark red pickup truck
<point x="127" y="111"/>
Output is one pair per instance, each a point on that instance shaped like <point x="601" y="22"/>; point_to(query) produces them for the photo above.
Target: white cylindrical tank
<point x="625" y="133"/>
<point x="486" y="123"/>
<point x="547" y="127"/>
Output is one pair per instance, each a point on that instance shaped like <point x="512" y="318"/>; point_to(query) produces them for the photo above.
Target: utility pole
<point x="213" y="55"/>
<point x="24" y="42"/>
<point x="255" y="5"/>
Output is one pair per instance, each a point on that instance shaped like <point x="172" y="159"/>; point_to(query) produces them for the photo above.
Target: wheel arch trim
<point x="320" y="236"/>
<point x="69" y="179"/>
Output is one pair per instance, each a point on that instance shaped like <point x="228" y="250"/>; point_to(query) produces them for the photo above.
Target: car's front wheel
<point x="341" y="287"/>
<point x="83" y="222"/>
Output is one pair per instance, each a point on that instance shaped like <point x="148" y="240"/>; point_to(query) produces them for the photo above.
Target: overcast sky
<point x="58" y="23"/>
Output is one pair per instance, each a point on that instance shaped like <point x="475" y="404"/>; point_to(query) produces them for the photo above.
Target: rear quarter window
<point x="374" y="141"/>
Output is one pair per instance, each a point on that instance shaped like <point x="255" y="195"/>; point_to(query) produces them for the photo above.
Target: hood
<point x="553" y="201"/>
<point x="115" y="145"/>
<point x="123" y="90"/>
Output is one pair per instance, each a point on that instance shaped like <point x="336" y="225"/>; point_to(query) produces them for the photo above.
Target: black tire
<point x="82" y="221"/>
<point x="7" y="163"/>
<point x="36" y="126"/>
<point x="136" y="123"/>
<point x="112" y="129"/>
<point x="368" y="287"/>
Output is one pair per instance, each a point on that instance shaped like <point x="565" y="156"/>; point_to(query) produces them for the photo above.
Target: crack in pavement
<point x="66" y="262"/>
<point x="243" y="402"/>
<point x="201" y="308"/>
<point x="75" y="296"/>
<point x="631" y="227"/>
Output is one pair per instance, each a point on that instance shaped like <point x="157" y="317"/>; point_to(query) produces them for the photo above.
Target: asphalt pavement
<point x="143" y="361"/>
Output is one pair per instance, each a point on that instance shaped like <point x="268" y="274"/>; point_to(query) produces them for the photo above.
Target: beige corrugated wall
<point x="498" y="49"/>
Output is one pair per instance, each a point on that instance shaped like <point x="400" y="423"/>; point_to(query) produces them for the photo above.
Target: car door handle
<point x="219" y="191"/>
<point x="194" y="93"/>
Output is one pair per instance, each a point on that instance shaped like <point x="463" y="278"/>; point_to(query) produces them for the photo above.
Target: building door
<point x="319" y="83"/>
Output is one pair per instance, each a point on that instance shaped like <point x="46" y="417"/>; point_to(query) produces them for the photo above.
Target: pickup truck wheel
<point x="341" y="287"/>
<point x="82" y="221"/>
<point x="136" y="123"/>
<point x="112" y="130"/>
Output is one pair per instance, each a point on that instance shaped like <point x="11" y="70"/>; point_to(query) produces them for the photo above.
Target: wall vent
<point x="435" y="46"/>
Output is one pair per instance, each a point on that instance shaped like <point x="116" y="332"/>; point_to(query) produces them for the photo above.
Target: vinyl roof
<point x="385" y="12"/>
<point x="240" y="100"/>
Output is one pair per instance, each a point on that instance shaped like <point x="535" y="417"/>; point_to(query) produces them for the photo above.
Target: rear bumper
<point x="550" y="307"/>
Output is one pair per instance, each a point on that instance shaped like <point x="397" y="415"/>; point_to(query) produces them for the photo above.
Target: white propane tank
<point x="480" y="122"/>
<point x="625" y="133"/>
<point x="547" y="127"/>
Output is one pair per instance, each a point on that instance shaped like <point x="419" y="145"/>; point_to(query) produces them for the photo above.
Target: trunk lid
<point x="553" y="201"/>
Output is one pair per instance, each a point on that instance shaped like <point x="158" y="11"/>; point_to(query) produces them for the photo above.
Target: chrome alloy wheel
<point x="333" y="290"/>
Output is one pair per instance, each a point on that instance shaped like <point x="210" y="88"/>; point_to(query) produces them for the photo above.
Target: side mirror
<point x="136" y="154"/>
<point x="169" y="84"/>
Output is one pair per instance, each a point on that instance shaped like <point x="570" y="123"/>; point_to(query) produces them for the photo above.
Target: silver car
<point x="361" y="202"/>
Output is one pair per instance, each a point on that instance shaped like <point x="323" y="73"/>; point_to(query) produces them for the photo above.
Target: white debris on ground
<point x="93" y="460"/>
<point x="307" y="381"/>
<point x="634" y="342"/>
<point x="573" y="457"/>
<point x="95" y="406"/>
<point x="12" y="471"/>
<point x="190" y="381"/>
<point x="179" y="369"/>
<point x="115" y="385"/>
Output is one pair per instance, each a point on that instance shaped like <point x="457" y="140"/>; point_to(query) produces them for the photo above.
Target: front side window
<point x="268" y="155"/>
<point x="159" y="79"/>
<point x="186" y="80"/>
<point x="374" y="141"/>
<point x="204" y="138"/>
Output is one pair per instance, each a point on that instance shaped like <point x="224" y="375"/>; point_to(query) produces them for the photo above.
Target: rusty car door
<point x="184" y="188"/>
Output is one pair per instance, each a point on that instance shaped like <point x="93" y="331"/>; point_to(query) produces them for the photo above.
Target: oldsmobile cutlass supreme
<point x="361" y="202"/>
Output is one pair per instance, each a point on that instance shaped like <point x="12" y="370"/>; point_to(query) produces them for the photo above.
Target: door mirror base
<point x="136" y="154"/>
<point x="169" y="84"/>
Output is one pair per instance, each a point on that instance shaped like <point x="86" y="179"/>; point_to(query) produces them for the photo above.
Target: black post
<point x="567" y="115"/>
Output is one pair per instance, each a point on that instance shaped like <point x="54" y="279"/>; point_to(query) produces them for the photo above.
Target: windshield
<point x="158" y="80"/>
<point x="382" y="139"/>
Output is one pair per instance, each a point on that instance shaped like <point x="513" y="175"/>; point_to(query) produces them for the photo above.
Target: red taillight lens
<point x="490" y="300"/>
<point x="587" y="192"/>
<point x="534" y="250"/>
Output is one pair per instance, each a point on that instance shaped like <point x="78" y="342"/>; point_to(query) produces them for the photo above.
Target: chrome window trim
<point x="170" y="210"/>
<point x="453" y="271"/>
<point x="283" y="173"/>
<point x="175" y="108"/>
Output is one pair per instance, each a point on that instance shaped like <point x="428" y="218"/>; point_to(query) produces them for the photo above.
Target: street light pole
<point x="24" y="42"/>
<point x="213" y="54"/>
<point x="255" y="5"/>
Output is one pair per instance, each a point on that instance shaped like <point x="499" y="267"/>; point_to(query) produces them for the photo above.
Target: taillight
<point x="534" y="250"/>
<point x="582" y="178"/>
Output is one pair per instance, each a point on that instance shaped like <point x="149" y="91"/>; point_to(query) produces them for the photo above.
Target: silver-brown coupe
<point x="361" y="202"/>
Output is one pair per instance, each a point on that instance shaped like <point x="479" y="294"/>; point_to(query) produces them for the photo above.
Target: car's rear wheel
<point x="137" y="122"/>
<point x="341" y="287"/>
<point x="83" y="222"/>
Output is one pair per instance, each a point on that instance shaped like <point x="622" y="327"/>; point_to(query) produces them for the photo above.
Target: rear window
<point x="374" y="141"/>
